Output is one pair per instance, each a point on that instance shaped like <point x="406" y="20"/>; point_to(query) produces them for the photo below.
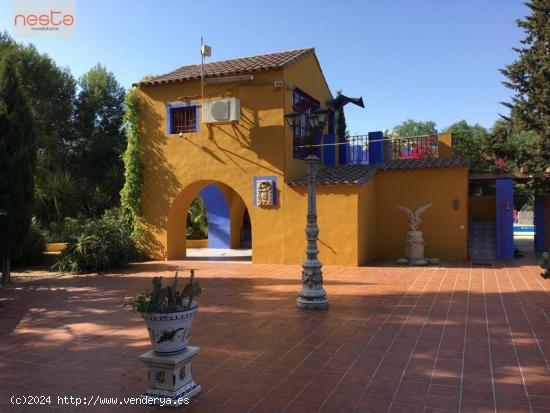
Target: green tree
<point x="515" y="146"/>
<point x="17" y="162"/>
<point x="99" y="135"/>
<point x="467" y="143"/>
<point x="341" y="127"/>
<point x="529" y="78"/>
<point x="51" y="92"/>
<point x="415" y="128"/>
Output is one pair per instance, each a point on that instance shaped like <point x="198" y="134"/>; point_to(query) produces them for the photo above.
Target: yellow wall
<point x="231" y="154"/>
<point x="482" y="207"/>
<point x="360" y="223"/>
<point x="445" y="145"/>
<point x="337" y="220"/>
<point x="56" y="247"/>
<point x="197" y="243"/>
<point x="444" y="229"/>
<point x="367" y="221"/>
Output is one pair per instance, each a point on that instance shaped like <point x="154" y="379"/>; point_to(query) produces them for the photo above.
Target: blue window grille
<point x="182" y="118"/>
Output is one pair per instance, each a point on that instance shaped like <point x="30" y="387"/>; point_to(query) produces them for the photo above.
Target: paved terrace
<point x="447" y="339"/>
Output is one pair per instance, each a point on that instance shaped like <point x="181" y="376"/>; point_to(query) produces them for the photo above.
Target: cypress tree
<point x="17" y="162"/>
<point x="529" y="78"/>
<point x="340" y="123"/>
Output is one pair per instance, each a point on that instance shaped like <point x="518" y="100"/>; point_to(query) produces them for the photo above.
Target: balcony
<point x="359" y="149"/>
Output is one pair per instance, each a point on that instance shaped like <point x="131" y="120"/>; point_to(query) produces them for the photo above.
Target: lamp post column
<point x="312" y="296"/>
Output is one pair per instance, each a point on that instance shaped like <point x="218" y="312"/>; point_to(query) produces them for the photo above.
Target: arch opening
<point x="209" y="221"/>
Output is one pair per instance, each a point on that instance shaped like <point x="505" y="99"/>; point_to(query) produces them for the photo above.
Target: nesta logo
<point x="55" y="18"/>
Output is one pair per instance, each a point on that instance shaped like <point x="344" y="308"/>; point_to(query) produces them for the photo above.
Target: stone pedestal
<point x="170" y="377"/>
<point x="414" y="248"/>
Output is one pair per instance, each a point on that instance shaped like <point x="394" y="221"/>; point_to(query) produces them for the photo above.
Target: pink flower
<point x="501" y="164"/>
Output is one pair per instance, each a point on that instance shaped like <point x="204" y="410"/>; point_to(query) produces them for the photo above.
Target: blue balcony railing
<point x="360" y="150"/>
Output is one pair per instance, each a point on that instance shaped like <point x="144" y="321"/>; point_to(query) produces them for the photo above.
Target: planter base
<point x="170" y="378"/>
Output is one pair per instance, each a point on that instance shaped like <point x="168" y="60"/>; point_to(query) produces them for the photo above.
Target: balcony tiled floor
<point x="453" y="338"/>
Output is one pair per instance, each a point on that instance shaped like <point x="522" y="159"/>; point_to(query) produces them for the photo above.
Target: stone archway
<point x="225" y="208"/>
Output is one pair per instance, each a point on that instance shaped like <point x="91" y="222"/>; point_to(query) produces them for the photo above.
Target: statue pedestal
<point x="170" y="377"/>
<point x="414" y="248"/>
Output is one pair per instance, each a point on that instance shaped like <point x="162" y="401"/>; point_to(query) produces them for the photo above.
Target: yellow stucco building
<point x="227" y="139"/>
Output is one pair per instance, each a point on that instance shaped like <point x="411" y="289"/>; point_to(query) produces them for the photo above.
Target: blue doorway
<point x="217" y="212"/>
<point x="505" y="218"/>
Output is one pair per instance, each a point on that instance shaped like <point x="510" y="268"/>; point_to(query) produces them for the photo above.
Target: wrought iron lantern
<point x="318" y="119"/>
<point x="293" y="119"/>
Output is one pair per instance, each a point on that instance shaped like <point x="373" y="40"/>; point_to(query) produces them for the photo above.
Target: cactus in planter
<point x="165" y="299"/>
<point x="545" y="265"/>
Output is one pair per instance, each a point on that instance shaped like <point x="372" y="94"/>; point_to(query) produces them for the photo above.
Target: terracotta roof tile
<point x="359" y="174"/>
<point x="230" y="67"/>
<point x="425" y="163"/>
<point x="346" y="175"/>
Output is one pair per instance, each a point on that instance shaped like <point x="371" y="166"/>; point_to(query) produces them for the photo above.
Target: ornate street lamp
<point x="312" y="296"/>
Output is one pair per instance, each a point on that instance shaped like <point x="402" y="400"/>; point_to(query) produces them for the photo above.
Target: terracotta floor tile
<point x="398" y="407"/>
<point x="408" y="397"/>
<point x="271" y="405"/>
<point x="301" y="407"/>
<point x="442" y="402"/>
<point x="386" y="330"/>
<point x="373" y="406"/>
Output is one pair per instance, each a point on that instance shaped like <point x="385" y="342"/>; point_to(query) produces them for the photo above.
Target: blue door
<point x="505" y="219"/>
<point x="217" y="212"/>
<point x="540" y="236"/>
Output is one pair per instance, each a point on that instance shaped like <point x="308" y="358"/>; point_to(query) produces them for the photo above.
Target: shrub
<point x="33" y="252"/>
<point x="65" y="230"/>
<point x="545" y="265"/>
<point x="101" y="244"/>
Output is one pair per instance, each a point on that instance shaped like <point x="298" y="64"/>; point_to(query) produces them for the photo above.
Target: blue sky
<point x="425" y="59"/>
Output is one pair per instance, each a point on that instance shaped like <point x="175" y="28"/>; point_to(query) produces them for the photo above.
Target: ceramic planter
<point x="169" y="332"/>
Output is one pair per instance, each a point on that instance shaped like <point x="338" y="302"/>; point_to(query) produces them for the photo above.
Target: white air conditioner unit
<point x="221" y="110"/>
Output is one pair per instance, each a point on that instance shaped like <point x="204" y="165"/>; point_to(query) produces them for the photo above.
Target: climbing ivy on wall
<point x="130" y="194"/>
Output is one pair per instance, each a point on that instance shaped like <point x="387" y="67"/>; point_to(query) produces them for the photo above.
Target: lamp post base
<point x="315" y="304"/>
<point x="312" y="298"/>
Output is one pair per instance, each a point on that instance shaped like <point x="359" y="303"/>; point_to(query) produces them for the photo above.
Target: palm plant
<point x="57" y="188"/>
<point x="197" y="220"/>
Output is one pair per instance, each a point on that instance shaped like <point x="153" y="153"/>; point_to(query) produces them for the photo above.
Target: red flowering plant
<point x="421" y="149"/>
<point x="501" y="166"/>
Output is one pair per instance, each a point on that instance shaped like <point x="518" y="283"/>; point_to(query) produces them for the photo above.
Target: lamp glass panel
<point x="321" y="115"/>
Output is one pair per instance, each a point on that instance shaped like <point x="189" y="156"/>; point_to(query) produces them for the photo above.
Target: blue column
<point x="505" y="219"/>
<point x="376" y="147"/>
<point x="540" y="227"/>
<point x="343" y="154"/>
<point x="329" y="156"/>
<point x="217" y="211"/>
